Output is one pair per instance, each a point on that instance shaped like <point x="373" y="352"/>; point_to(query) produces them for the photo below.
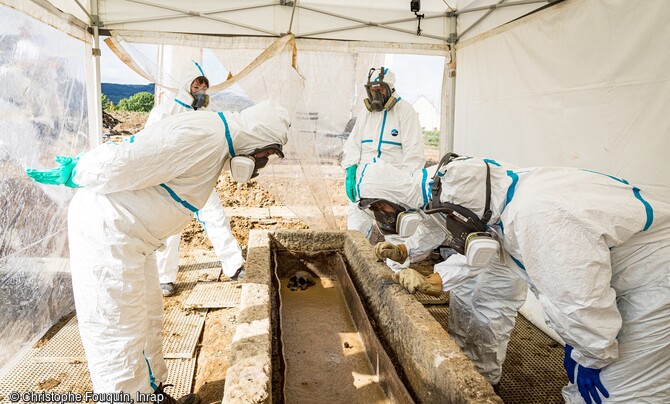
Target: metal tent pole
<point x="95" y="24"/>
<point x="449" y="91"/>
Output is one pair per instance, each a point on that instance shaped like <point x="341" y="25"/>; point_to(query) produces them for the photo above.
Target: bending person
<point x="594" y="249"/>
<point x="192" y="96"/>
<point x="117" y="219"/>
<point x="483" y="309"/>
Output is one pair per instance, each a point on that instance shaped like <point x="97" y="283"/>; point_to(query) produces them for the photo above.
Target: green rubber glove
<point x="57" y="176"/>
<point x="350" y="183"/>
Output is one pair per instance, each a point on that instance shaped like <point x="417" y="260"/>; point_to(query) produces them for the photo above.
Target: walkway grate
<point x="213" y="295"/>
<point x="181" y="331"/>
<point x="533" y="369"/>
<point x="60" y="377"/>
<point x="64" y="347"/>
<point x="199" y="266"/>
<point x="428" y="299"/>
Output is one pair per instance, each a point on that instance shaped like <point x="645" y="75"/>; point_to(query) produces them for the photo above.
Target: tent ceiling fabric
<point x="390" y="20"/>
<point x="352" y="20"/>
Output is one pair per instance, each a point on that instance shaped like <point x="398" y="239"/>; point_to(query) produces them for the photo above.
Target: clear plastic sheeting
<point x="320" y="83"/>
<point x="43" y="113"/>
<point x="309" y="181"/>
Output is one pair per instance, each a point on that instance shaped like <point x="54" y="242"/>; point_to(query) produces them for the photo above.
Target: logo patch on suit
<point x="394" y="132"/>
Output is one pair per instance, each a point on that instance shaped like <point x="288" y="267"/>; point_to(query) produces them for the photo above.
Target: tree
<point x="107" y="105"/>
<point x="140" y="102"/>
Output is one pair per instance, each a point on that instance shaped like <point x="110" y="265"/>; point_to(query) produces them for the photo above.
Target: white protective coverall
<point x="134" y="195"/>
<point x="483" y="309"/>
<point x="212" y="215"/>
<point x="394" y="136"/>
<point x="595" y="250"/>
<point x="410" y="189"/>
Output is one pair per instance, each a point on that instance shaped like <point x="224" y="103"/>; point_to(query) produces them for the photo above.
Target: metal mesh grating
<point x="428" y="299"/>
<point x="199" y="265"/>
<point x="65" y="346"/>
<point x="214" y="295"/>
<point x="440" y="313"/>
<point x="533" y="369"/>
<point x="181" y="331"/>
<point x="58" y="377"/>
<point x="180" y="374"/>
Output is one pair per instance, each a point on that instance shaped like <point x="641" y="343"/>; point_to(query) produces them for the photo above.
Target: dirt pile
<point x="232" y="194"/>
<point x="131" y="122"/>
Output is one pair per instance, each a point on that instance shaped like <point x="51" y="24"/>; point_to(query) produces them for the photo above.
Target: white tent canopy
<point x="385" y="21"/>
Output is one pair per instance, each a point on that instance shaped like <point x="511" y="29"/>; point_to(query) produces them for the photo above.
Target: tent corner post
<point x="95" y="24"/>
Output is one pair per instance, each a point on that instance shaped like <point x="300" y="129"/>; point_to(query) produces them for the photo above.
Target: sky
<point x="415" y="75"/>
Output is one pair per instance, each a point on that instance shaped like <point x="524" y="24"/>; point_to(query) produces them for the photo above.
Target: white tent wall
<point x="478" y="16"/>
<point x="584" y="83"/>
<point x="46" y="78"/>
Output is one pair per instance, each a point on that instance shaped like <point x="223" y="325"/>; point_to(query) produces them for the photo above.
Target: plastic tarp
<point x="319" y="81"/>
<point x="43" y="112"/>
<point x="583" y="84"/>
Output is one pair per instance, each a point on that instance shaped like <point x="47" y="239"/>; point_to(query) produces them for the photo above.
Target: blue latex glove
<point x="61" y="175"/>
<point x="350" y="183"/>
<point x="569" y="364"/>
<point x="588" y="382"/>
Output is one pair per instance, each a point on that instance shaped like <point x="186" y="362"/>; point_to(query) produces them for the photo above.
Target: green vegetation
<point x="117" y="92"/>
<point x="140" y="102"/>
<point x="431" y="139"/>
<point x="107" y="105"/>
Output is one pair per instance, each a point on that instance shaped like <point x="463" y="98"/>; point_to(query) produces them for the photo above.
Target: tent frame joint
<point x="96" y="21"/>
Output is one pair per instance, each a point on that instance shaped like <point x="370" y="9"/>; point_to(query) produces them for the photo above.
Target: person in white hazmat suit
<point x="484" y="308"/>
<point x="193" y="95"/>
<point x="595" y="250"/>
<point x="388" y="130"/>
<point x="133" y="196"/>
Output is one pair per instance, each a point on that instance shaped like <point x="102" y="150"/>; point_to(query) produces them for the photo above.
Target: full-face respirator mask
<point x="391" y="218"/>
<point x="200" y="100"/>
<point x="377" y="100"/>
<point x="469" y="235"/>
<point x="198" y="90"/>
<point x="245" y="167"/>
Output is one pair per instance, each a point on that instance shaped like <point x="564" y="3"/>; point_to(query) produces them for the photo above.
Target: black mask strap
<point x="435" y="205"/>
<point x="487" y="207"/>
<point x="437" y="183"/>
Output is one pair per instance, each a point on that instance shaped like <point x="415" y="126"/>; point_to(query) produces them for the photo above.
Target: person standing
<point x="192" y="96"/>
<point x="388" y="130"/>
